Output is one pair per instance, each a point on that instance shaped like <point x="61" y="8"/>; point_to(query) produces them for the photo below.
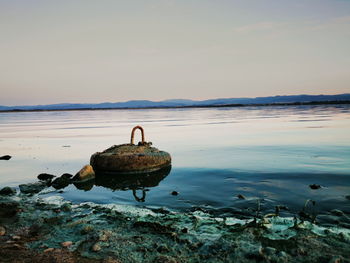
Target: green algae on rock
<point x="130" y="158"/>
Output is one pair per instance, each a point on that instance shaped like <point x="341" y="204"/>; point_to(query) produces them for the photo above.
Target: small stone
<point x="16" y="237"/>
<point x="5" y="157"/>
<point x="184" y="230"/>
<point x="103" y="237"/>
<point x="174" y="193"/>
<point x="50" y="249"/>
<point x="67" y="175"/>
<point x="45" y="176"/>
<point x="60" y="182"/>
<point x="66" y="244"/>
<point x="239" y="196"/>
<point x="85" y="174"/>
<point x="2" y="231"/>
<point x="314" y="186"/>
<point x="96" y="247"/>
<point x="8" y="191"/>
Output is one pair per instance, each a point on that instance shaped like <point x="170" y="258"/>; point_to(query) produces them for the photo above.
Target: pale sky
<point x="99" y="51"/>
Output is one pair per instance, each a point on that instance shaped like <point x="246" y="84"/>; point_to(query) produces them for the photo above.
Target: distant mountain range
<point x="187" y="103"/>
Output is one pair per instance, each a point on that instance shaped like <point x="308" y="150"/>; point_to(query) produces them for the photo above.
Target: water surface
<point x="270" y="155"/>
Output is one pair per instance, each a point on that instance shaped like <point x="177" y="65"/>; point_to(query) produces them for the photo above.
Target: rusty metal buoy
<point x="130" y="158"/>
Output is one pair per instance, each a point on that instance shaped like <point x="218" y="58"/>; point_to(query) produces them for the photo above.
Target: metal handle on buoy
<point x="133" y="133"/>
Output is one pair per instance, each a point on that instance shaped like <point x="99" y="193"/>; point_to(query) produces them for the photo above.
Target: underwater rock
<point x="45" y="176"/>
<point x="8" y="191"/>
<point x="174" y="193"/>
<point x="315" y="186"/>
<point x="32" y="188"/>
<point x="347" y="197"/>
<point x="2" y="231"/>
<point x="8" y="207"/>
<point x="85" y="174"/>
<point x="5" y="157"/>
<point x="60" y="182"/>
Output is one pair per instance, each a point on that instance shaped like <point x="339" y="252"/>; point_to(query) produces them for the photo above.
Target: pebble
<point x="5" y="157"/>
<point x="16" y="237"/>
<point x="50" y="249"/>
<point x="240" y="196"/>
<point x="103" y="237"/>
<point x="96" y="247"/>
<point x="66" y="244"/>
<point x="314" y="186"/>
<point x="2" y="231"/>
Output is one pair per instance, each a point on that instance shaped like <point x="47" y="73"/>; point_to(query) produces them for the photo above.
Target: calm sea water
<point x="270" y="155"/>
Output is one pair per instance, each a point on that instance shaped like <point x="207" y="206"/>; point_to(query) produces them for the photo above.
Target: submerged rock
<point x="85" y="174"/>
<point x="5" y="157"/>
<point x="45" y="176"/>
<point x="32" y="188"/>
<point x="8" y="191"/>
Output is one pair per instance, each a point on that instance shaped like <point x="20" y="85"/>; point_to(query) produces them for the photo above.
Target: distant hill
<point x="186" y="103"/>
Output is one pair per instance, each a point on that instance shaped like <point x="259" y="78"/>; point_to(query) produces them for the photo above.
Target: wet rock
<point x="8" y="191"/>
<point x="16" y="238"/>
<point x="174" y="193"/>
<point x="96" y="247"/>
<point x="2" y="231"/>
<point x="60" y="182"/>
<point x="163" y="249"/>
<point x="67" y="244"/>
<point x="5" y="157"/>
<point x="32" y="188"/>
<point x="8" y="208"/>
<point x="314" y="186"/>
<point x="67" y="175"/>
<point x="240" y="196"/>
<point x="50" y="249"/>
<point x="85" y="174"/>
<point x="45" y="177"/>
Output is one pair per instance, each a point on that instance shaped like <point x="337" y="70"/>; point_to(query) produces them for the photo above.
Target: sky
<point x="86" y="51"/>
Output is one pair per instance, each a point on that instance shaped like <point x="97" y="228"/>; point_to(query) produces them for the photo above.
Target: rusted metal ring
<point x="133" y="133"/>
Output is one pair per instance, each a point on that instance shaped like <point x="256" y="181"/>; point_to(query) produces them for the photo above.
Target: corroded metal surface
<point x="130" y="158"/>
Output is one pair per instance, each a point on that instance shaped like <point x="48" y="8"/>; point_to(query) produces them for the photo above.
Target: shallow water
<point x="270" y="155"/>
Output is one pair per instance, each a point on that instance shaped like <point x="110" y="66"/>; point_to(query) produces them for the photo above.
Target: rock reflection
<point x="125" y="182"/>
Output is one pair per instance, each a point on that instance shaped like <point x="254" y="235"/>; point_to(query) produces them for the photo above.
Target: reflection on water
<point x="269" y="155"/>
<point x="125" y="182"/>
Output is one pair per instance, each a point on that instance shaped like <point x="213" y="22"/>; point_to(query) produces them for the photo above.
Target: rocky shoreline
<point x="36" y="228"/>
